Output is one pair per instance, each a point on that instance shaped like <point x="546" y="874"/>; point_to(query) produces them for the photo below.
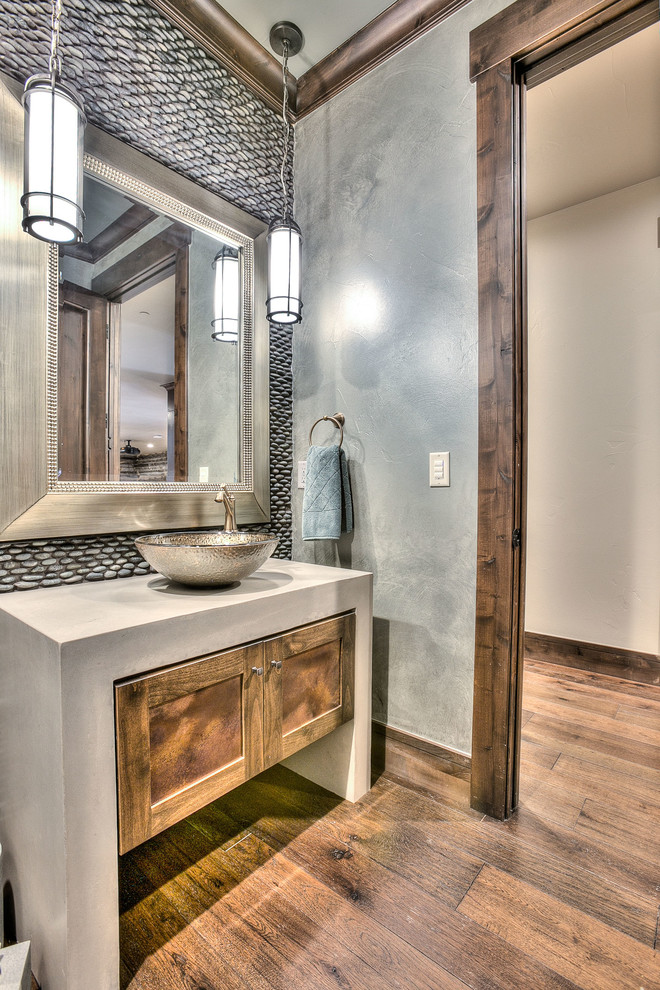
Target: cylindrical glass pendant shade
<point x="54" y="134"/>
<point x="227" y="296"/>
<point x="284" y="303"/>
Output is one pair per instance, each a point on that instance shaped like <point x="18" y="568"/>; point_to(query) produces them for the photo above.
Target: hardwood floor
<point x="279" y="885"/>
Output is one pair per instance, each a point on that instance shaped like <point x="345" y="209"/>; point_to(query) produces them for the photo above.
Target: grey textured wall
<point x="386" y="198"/>
<point x="147" y="84"/>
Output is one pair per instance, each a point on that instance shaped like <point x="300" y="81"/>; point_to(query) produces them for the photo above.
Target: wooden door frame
<point x="530" y="39"/>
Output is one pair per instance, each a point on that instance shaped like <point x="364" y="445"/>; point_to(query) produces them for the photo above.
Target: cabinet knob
<point x="258" y="671"/>
<point x="277" y="664"/>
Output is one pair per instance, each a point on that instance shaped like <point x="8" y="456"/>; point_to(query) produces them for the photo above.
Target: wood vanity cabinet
<point x="189" y="733"/>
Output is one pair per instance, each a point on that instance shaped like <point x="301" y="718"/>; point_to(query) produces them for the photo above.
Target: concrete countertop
<point x="75" y="612"/>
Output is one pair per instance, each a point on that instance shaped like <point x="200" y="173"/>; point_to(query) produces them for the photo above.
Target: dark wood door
<point x="185" y="736"/>
<point x="82" y="393"/>
<point x="308" y="685"/>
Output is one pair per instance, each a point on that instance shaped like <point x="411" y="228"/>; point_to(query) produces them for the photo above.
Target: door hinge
<point x="515" y="539"/>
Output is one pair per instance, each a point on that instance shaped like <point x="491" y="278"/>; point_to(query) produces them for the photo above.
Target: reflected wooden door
<point x="82" y="394"/>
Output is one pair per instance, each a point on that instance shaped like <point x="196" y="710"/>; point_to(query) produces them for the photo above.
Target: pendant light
<point x="128" y="450"/>
<point x="284" y="303"/>
<point x="227" y="295"/>
<point x="53" y="152"/>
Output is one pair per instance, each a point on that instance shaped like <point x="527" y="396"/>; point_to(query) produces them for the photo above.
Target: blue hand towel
<point x="327" y="492"/>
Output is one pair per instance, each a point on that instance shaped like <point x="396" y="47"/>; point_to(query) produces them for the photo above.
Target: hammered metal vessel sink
<point x="206" y="559"/>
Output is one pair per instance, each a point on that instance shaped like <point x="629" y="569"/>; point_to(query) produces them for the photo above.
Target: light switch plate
<point x="439" y="469"/>
<point x="302" y="470"/>
<point x="203" y="475"/>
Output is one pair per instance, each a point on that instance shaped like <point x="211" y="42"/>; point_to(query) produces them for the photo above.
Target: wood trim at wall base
<point x="386" y="34"/>
<point x="641" y="667"/>
<point x="413" y="760"/>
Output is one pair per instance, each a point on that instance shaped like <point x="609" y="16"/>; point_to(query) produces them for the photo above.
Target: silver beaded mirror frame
<point x="35" y="503"/>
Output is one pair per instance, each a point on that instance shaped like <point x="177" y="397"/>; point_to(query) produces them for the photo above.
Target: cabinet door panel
<point x="194" y="736"/>
<point x="185" y="736"/>
<point x="309" y="685"/>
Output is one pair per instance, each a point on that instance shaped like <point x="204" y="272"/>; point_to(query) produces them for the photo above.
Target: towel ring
<point x="338" y="419"/>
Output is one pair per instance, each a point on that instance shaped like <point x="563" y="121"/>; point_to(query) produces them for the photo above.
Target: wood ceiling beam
<point x="222" y="37"/>
<point x="216" y="31"/>
<point x="385" y="35"/>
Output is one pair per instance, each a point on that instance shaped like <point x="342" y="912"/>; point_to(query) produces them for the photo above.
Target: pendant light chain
<point x="284" y="301"/>
<point x="286" y="190"/>
<point x="55" y="63"/>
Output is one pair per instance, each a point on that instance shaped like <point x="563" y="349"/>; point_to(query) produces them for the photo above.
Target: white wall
<point x="593" y="542"/>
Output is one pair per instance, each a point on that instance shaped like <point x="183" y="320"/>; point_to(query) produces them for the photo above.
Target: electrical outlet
<point x="439" y="470"/>
<point x="203" y="476"/>
<point x="302" y="471"/>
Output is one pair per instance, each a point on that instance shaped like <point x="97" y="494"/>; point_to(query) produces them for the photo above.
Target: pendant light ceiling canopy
<point x="284" y="302"/>
<point x="53" y="152"/>
<point x="286" y="38"/>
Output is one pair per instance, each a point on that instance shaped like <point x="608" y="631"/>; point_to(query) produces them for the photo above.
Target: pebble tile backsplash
<point x="50" y="563"/>
<point x="148" y="84"/>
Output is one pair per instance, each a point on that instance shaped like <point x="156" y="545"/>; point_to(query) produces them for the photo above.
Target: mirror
<point x="143" y="284"/>
<point x="135" y="346"/>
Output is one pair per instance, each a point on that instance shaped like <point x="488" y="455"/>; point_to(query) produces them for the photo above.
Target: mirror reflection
<point x="161" y="397"/>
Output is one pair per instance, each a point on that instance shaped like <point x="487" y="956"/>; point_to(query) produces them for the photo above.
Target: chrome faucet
<point x="229" y="503"/>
